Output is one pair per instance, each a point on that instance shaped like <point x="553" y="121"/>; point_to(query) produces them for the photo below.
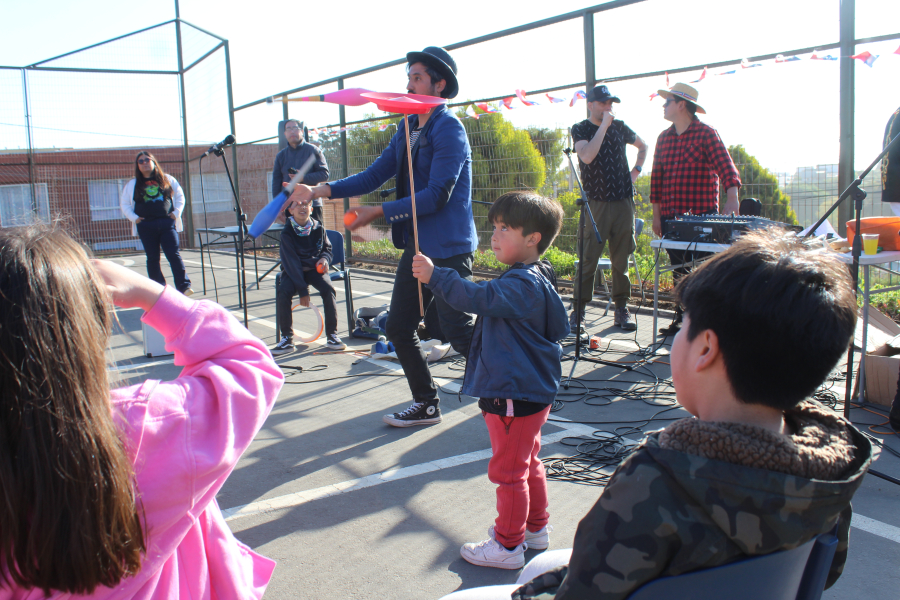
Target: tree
<point x="550" y="143"/>
<point x="758" y="182"/>
<point x="504" y="159"/>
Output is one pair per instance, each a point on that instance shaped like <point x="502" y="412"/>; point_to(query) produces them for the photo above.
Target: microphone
<point x="217" y="148"/>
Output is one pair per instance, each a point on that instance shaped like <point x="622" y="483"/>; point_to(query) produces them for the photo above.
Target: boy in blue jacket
<point x="513" y="367"/>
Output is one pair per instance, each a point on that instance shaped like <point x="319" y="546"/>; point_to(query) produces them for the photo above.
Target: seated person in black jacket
<point x="305" y="256"/>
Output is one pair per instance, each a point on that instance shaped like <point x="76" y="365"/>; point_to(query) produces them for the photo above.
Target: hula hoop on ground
<point x="321" y="327"/>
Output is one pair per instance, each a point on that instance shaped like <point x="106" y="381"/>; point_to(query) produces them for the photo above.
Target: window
<point x="216" y="195"/>
<point x="103" y="196"/>
<point x="16" y="206"/>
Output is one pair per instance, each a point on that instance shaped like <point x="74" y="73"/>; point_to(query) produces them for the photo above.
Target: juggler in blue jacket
<point x="442" y="172"/>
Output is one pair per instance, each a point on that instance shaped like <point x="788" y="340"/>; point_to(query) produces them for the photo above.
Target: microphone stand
<point x="241" y="236"/>
<point x="576" y="295"/>
<point x="858" y="195"/>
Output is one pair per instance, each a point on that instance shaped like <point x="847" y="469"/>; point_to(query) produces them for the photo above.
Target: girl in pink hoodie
<point x="111" y="494"/>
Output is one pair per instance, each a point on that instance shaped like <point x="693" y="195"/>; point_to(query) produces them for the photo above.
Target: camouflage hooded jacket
<point x="699" y="494"/>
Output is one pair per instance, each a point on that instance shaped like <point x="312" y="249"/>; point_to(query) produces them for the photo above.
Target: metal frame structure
<point x="846" y="43"/>
<point x="180" y="72"/>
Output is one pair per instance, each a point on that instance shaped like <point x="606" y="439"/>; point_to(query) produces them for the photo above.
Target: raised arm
<point x="509" y="297"/>
<point x="587" y="150"/>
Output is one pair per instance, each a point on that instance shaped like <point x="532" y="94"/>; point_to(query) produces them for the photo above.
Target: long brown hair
<point x="69" y="518"/>
<point x="158" y="175"/>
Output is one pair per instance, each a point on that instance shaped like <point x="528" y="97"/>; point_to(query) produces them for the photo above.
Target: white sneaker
<point x="490" y="553"/>
<point x="536" y="540"/>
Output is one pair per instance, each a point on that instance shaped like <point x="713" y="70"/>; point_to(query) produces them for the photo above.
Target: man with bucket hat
<point x="689" y="161"/>
<point x="608" y="183"/>
<point x="442" y="172"/>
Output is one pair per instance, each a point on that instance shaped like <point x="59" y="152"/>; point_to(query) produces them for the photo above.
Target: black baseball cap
<point x="601" y="94"/>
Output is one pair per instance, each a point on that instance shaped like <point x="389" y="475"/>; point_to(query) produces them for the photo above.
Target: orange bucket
<point x="887" y="228"/>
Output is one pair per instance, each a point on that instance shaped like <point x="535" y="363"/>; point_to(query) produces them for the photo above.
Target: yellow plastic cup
<point x="870" y="243"/>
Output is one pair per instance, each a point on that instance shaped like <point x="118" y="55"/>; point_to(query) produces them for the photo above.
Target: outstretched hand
<point x="422" y="268"/>
<point x="302" y="193"/>
<point x="126" y="288"/>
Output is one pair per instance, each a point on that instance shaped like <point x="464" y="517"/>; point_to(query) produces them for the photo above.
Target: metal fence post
<point x="846" y="172"/>
<point x="188" y="216"/>
<point x="34" y="200"/>
<point x="234" y="153"/>
<point x="590" y="71"/>
<point x="348" y="236"/>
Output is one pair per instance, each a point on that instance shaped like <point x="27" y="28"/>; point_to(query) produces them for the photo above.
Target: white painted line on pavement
<point x="448" y="385"/>
<point x="267" y="323"/>
<point x="888" y="532"/>
<point x="298" y="498"/>
<point x="132" y="367"/>
<point x="337" y="288"/>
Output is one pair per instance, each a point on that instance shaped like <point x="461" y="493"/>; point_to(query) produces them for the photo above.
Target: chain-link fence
<point x="508" y="155"/>
<point x="71" y="127"/>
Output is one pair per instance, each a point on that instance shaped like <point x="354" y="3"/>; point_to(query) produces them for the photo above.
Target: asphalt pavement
<point x="350" y="507"/>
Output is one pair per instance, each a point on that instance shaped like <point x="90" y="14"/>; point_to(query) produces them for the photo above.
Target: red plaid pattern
<point x="687" y="169"/>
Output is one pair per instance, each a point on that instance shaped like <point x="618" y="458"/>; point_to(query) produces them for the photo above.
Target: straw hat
<point x="682" y="91"/>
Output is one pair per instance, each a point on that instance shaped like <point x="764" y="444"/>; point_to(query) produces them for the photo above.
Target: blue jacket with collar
<point x="442" y="170"/>
<point x="514" y="352"/>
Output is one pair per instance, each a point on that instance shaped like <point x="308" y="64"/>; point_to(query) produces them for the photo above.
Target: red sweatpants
<point x="519" y="475"/>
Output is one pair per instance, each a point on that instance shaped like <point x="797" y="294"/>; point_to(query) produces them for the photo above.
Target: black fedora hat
<point x="441" y="61"/>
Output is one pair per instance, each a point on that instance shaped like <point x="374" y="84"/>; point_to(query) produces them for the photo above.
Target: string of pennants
<point x="865" y="57"/>
<point x="505" y="103"/>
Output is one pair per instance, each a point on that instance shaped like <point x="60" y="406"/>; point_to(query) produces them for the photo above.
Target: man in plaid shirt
<point x="689" y="160"/>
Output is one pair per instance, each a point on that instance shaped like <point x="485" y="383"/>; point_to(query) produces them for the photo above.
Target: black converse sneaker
<point x="419" y="413"/>
<point x="285" y="346"/>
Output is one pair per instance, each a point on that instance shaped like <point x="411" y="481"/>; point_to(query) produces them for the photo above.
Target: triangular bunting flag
<point x="579" y="95"/>
<point x="520" y="94"/>
<point x="866" y="57"/>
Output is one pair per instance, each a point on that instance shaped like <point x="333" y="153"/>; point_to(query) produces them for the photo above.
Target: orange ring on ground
<point x="321" y="329"/>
